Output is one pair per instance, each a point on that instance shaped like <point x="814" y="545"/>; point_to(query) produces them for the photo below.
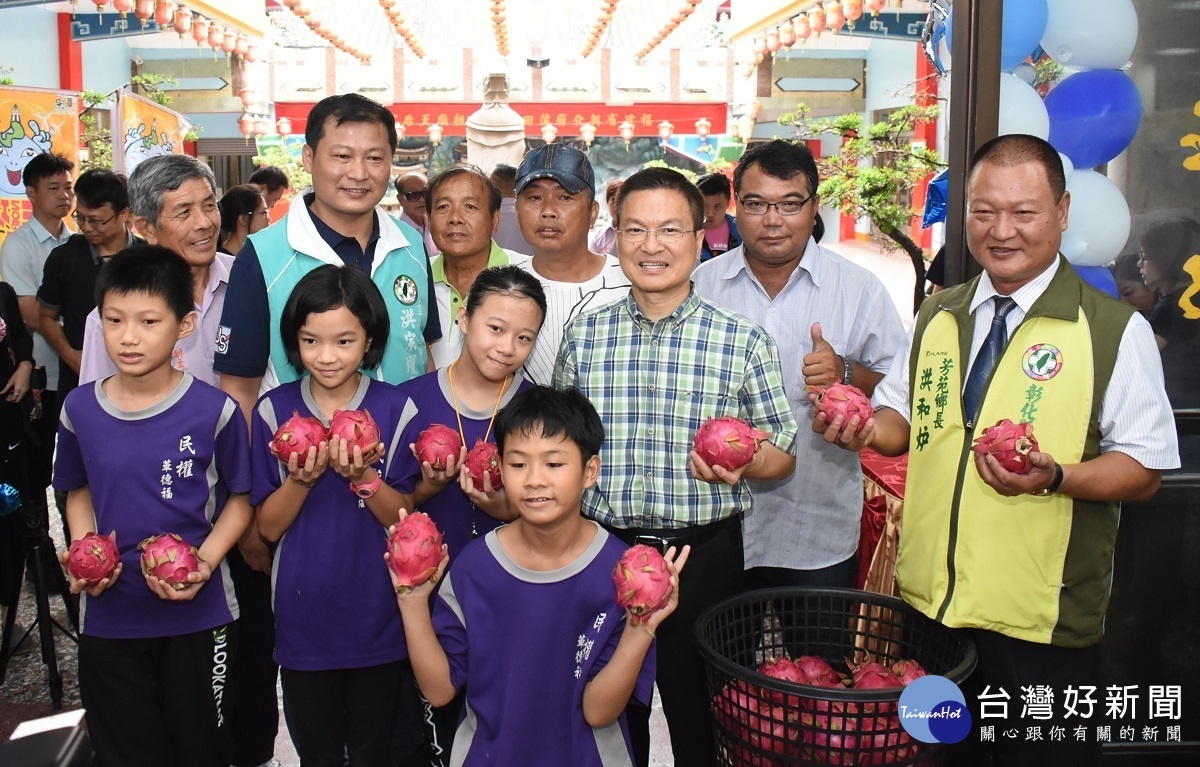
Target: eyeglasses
<point x="635" y="234"/>
<point x="783" y="207"/>
<point x="91" y="223"/>
<point x="415" y="196"/>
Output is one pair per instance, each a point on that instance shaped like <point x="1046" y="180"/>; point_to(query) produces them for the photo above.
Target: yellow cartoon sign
<point x="1192" y="141"/>
<point x="39" y="121"/>
<point x="147" y="130"/>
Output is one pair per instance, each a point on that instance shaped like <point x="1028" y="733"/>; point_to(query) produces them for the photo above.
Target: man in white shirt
<point x="410" y="190"/>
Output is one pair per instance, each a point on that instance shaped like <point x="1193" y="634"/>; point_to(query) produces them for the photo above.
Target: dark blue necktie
<point x="986" y="359"/>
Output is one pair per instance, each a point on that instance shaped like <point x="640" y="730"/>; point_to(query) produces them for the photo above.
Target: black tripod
<point x="40" y="561"/>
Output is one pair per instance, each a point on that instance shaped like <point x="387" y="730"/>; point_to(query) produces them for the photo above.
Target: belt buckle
<point x="653" y="541"/>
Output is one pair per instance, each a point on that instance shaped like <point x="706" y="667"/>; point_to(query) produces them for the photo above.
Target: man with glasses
<point x="656" y="365"/>
<point x="833" y="321"/>
<point x="67" y="294"/>
<point x="410" y="190"/>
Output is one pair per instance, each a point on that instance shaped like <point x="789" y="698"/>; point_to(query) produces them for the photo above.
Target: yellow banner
<point x="145" y="130"/>
<point x="39" y="121"/>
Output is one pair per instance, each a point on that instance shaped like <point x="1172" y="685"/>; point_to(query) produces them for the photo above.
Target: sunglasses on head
<point x="415" y="196"/>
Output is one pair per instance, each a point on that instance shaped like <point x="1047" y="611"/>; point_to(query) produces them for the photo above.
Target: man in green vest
<point x="1021" y="563"/>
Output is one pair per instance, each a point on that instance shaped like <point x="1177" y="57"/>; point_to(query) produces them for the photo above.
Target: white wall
<point x="891" y="72"/>
<point x="27" y="46"/>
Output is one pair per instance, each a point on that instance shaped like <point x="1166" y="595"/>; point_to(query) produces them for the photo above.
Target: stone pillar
<point x="495" y="132"/>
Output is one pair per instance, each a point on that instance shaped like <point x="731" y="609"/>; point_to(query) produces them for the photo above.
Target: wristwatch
<point x="847" y="371"/>
<point x="1054" y="484"/>
<point x="365" y="490"/>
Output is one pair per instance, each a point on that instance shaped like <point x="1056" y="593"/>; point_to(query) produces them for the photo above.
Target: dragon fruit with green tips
<point x="727" y="442"/>
<point x="1010" y="443"/>
<point x="93" y="557"/>
<point x="297" y="435"/>
<point x="414" y="551"/>
<point x="170" y="559"/>
<point x="437" y="445"/>
<point x="843" y="400"/>
<point x="357" y="427"/>
<point x="643" y="581"/>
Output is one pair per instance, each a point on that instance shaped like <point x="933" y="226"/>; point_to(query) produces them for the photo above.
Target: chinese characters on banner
<point x="38" y="120"/>
<point x="146" y="129"/>
<point x="1125" y="714"/>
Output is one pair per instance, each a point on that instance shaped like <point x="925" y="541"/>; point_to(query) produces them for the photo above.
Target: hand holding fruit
<point x="843" y="414"/>
<point x="724" y="449"/>
<point x="647" y="584"/>
<point x="93" y="563"/>
<point x="173" y="568"/>
<point x="1040" y="475"/>
<point x="441" y="452"/>
<point x="416" y="556"/>
<point x="822" y="365"/>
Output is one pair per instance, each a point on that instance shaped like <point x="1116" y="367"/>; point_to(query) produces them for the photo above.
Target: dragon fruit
<point x="844" y="400"/>
<point x="1010" y="443"/>
<point x="484" y="458"/>
<point x="438" y="444"/>
<point x="727" y="442"/>
<point x="297" y="435"/>
<point x="782" y="668"/>
<point x="643" y="582"/>
<point x="415" y="551"/>
<point x="93" y="557"/>
<point x="170" y="559"/>
<point x="357" y="427"/>
<point x="908" y="670"/>
<point x="817" y="672"/>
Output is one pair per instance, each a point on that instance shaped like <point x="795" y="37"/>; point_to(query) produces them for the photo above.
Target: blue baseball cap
<point x="566" y="165"/>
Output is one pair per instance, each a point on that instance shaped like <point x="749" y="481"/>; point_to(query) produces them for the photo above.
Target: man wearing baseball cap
<point x="556" y="208"/>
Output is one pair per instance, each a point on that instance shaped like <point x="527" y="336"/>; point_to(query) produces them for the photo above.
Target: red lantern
<point x="875" y="6"/>
<point x="252" y="53"/>
<point x="852" y="10"/>
<point x="834" y="17"/>
<point x="216" y="35"/>
<point x="435" y="133"/>
<point x="816" y="20"/>
<point x="626" y="130"/>
<point x="100" y="7"/>
<point x="242" y="47"/>
<point x="246" y="124"/>
<point x="387" y="5"/>
<point x="262" y="126"/>
<point x="247" y="97"/>
<point x="164" y="11"/>
<point x="291" y="4"/>
<point x="199" y="30"/>
<point x="283" y="126"/>
<point x="183" y="21"/>
<point x="703" y="126"/>
<point x="122" y="6"/>
<point x="144" y="10"/>
<point x="773" y="40"/>
<point x="787" y="34"/>
<point x="300" y="9"/>
<point x="760" y="46"/>
<point x="665" y="129"/>
<point x="803" y="30"/>
<point x="549" y="133"/>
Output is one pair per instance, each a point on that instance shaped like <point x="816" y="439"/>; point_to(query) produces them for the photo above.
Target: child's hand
<point x="493" y="502"/>
<point x="675" y="563"/>
<point x="440" y="478"/>
<point x="352" y="462"/>
<point x="77" y="585"/>
<point x="165" y="591"/>
<point x="417" y="593"/>
<point x="311" y="469"/>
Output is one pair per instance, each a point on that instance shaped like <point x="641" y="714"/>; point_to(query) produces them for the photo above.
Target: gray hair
<point x="158" y="175"/>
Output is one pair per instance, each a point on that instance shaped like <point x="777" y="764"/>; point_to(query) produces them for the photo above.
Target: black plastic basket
<point x="766" y="722"/>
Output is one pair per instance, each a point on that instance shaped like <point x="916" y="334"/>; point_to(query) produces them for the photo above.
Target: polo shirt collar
<point x="96" y="259"/>
<point x="43" y="234"/>
<point x="734" y="263"/>
<point x="498" y="256"/>
<point x="303" y="234"/>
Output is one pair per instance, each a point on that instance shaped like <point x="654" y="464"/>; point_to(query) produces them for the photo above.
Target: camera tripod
<point x="47" y="575"/>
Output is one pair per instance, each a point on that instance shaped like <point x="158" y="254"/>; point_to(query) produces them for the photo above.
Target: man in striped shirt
<point x="656" y="365"/>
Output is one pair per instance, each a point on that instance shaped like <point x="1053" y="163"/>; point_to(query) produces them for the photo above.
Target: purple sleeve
<point x="95" y="363"/>
<point x="403" y="473"/>
<point x="232" y="449"/>
<point x="69" y="471"/>
<point x="643" y="689"/>
<point x="451" y="633"/>
<point x="264" y="467"/>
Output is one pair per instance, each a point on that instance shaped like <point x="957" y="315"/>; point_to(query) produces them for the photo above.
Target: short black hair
<point x="347" y="108"/>
<point x="45" y="165"/>
<point x="494" y="196"/>
<point x="1126" y="267"/>
<point x="778" y="159"/>
<point x="549" y="412"/>
<point x="242" y="200"/>
<point x="714" y="183"/>
<point x="150" y="269"/>
<point x="1018" y="149"/>
<point x="505" y="172"/>
<point x="650" y="179"/>
<point x="330" y="287"/>
<point x="506" y="280"/>
<point x="97" y="187"/>
<point x="1169" y="244"/>
<point x="270" y="177"/>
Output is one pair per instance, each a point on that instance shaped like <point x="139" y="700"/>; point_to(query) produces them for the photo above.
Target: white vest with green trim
<point x="1032" y="568"/>
<point x="291" y="248"/>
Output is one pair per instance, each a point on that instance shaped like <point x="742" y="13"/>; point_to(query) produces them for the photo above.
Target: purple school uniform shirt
<point x="525" y="644"/>
<point x="167" y="468"/>
<point x="428" y="401"/>
<point x="333" y="601"/>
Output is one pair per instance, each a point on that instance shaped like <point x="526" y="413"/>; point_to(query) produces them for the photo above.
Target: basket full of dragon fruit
<point x="814" y="676"/>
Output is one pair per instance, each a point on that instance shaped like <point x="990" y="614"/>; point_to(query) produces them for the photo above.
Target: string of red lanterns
<point x="500" y="27"/>
<point x="314" y="21"/>
<point x="169" y="15"/>
<point x="680" y="16"/>
<point x="832" y="16"/>
<point x="401" y="27"/>
<point x="603" y="19"/>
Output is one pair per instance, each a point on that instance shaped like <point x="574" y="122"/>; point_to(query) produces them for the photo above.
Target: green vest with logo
<point x="1032" y="568"/>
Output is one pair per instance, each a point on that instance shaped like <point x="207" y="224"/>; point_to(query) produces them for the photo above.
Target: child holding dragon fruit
<point x="146" y="451"/>
<point x="527" y="620"/>
<point x="327" y="502"/>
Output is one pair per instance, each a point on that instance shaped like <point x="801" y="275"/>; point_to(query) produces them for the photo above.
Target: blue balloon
<point x="1099" y="277"/>
<point x="1094" y="115"/>
<point x="936" y="196"/>
<point x="1024" y="25"/>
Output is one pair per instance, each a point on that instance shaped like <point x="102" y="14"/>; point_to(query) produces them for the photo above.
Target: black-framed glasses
<point x="415" y="196"/>
<point x="783" y="207"/>
<point x="635" y="234"/>
<point x="91" y="223"/>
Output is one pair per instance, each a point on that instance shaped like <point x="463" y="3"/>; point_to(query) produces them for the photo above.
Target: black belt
<point x="663" y="539"/>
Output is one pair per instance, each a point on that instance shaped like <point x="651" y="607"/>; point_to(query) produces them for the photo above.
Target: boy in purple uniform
<point x="527" y="621"/>
<point x="147" y="451"/>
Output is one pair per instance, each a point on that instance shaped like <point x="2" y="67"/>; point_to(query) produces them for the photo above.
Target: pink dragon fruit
<point x="882" y="740"/>
<point x="484" y="458"/>
<point x="170" y="559"/>
<point x="357" y="427"/>
<point x="727" y="442"/>
<point x="817" y="672"/>
<point x="297" y="435"/>
<point x="875" y="676"/>
<point x="734" y="707"/>
<point x="782" y="668"/>
<point x="908" y="670"/>
<point x="93" y="557"/>
<point x="844" y="400"/>
<point x="1011" y="443"/>
<point x="438" y="444"/>
<point x="643" y="582"/>
<point x="415" y="551"/>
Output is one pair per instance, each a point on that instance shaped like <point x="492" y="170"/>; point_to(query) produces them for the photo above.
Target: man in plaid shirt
<point x="656" y="365"/>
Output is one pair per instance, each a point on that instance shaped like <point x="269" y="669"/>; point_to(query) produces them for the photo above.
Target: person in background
<point x="935" y="273"/>
<point x="1127" y="271"/>
<point x="508" y="234"/>
<point x="1166" y="250"/>
<point x="603" y="239"/>
<point x="272" y="182"/>
<point x="410" y="191"/>
<point x="720" y="229"/>
<point x="244" y="211"/>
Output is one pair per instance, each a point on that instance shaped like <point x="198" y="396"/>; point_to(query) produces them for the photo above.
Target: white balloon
<point x="1091" y="34"/>
<point x="1098" y="220"/>
<point x="1068" y="166"/>
<point x="1021" y="109"/>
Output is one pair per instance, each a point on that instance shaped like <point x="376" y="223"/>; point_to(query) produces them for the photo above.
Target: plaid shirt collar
<point x="676" y="318"/>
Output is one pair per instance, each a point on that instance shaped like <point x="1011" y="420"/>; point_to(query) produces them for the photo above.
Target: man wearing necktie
<point x="1021" y="563"/>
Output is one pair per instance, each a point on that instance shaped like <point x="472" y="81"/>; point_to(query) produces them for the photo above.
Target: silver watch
<point x="847" y="371"/>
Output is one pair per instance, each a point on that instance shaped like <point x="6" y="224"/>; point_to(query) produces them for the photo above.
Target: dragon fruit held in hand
<point x="844" y="400"/>
<point x="727" y="442"/>
<point x="170" y="559"/>
<point x="297" y="435"/>
<point x="357" y="427"/>
<point x="1010" y="443"/>
<point x="437" y="444"/>
<point x="93" y="557"/>
<point x="643" y="582"/>
<point x="415" y="551"/>
<point x="484" y="458"/>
